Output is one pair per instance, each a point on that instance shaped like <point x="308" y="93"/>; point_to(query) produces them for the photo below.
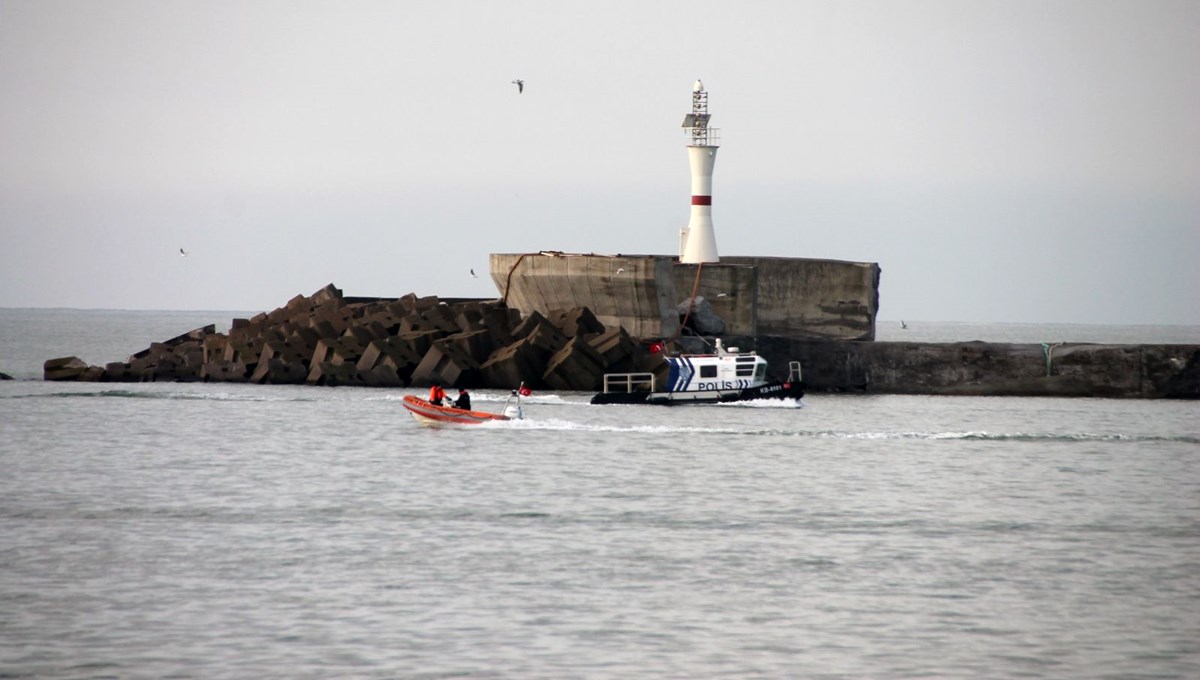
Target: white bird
<point x="182" y="253"/>
<point x="473" y="275"/>
<point x="620" y="270"/>
<point x="520" y="85"/>
<point x="722" y="294"/>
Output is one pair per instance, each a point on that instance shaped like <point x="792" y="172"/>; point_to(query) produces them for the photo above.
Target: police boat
<point x="728" y="375"/>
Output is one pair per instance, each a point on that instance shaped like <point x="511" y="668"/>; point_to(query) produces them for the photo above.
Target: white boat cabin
<point x="727" y="369"/>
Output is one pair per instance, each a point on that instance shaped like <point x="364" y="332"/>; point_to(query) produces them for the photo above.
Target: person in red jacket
<point x="436" y="394"/>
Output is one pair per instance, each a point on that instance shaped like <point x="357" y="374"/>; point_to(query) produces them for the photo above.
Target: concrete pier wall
<point x="632" y="291"/>
<point x="986" y="368"/>
<point x="804" y="298"/>
<point x="827" y="299"/>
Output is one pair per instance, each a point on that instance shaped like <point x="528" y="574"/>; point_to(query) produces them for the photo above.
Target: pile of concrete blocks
<point x="329" y="339"/>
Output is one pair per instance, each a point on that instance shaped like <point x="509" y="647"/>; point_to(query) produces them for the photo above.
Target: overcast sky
<point x="1002" y="161"/>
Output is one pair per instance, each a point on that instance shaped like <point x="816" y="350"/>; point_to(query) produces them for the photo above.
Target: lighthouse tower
<point x="697" y="242"/>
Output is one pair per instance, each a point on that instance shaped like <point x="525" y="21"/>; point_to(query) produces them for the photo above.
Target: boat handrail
<point x="794" y="374"/>
<point x="628" y="381"/>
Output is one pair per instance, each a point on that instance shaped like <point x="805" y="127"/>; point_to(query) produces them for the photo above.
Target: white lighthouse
<point x="697" y="242"/>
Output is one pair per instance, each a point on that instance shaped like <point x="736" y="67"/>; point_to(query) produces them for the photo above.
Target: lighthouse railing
<point x="704" y="136"/>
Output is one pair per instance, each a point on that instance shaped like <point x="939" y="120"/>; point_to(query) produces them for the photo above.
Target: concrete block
<point x="527" y="325"/>
<point x="63" y="368"/>
<point x="383" y="318"/>
<point x="576" y="321"/>
<point x="616" y="348"/>
<point x="245" y="351"/>
<point x="343" y="350"/>
<point x="224" y="371"/>
<point x="297" y="308"/>
<point x="159" y="349"/>
<point x="401" y="367"/>
<point x="243" y="333"/>
<point x="403" y="359"/>
<point x="214" y="347"/>
<point x="155" y="369"/>
<point x="432" y="319"/>
<point x="287" y="351"/>
<point x="381" y="376"/>
<point x="421" y="341"/>
<point x="468" y="318"/>
<point x="185" y="373"/>
<point x="509" y="366"/>
<point x="343" y="320"/>
<point x="117" y="371"/>
<point x="333" y="375"/>
<point x="359" y="333"/>
<point x="323" y="328"/>
<point x="304" y="336"/>
<point x="139" y="355"/>
<point x="195" y="335"/>
<point x="547" y="338"/>
<point x="276" y="371"/>
<point x="278" y="315"/>
<point x="448" y="364"/>
<point x="326" y="294"/>
<point x="403" y="305"/>
<point x="378" y="330"/>
<point x="575" y="367"/>
<point x="192" y="356"/>
<point x="421" y="304"/>
<point x="500" y="321"/>
<point x="479" y="344"/>
<point x="300" y="304"/>
<point x="92" y="374"/>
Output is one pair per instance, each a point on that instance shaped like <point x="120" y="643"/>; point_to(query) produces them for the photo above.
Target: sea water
<point x="232" y="531"/>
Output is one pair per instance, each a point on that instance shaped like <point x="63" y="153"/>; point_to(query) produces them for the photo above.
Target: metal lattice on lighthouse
<point x="697" y="241"/>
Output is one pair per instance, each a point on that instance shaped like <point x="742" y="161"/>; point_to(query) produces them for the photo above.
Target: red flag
<point x="525" y="391"/>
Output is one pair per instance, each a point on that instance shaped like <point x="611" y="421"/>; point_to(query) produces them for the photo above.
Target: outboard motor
<point x="512" y="406"/>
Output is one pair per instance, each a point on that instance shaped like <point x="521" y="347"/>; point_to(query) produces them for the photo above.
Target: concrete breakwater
<point x="328" y="339"/>
<point x="990" y="369"/>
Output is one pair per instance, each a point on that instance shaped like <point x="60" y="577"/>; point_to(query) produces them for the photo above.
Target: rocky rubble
<point x="328" y="339"/>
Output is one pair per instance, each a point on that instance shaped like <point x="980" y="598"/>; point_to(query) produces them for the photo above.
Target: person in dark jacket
<point x="463" y="401"/>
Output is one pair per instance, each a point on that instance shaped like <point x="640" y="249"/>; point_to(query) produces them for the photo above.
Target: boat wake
<point x="562" y="425"/>
<point x="765" y="403"/>
<point x="557" y="424"/>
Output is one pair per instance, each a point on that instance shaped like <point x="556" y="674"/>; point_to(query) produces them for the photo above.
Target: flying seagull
<point x="473" y="274"/>
<point x="902" y="324"/>
<point x="182" y="253"/>
<point x="620" y="270"/>
<point x="520" y="85"/>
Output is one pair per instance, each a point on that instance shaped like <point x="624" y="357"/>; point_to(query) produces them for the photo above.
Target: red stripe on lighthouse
<point x="701" y="200"/>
